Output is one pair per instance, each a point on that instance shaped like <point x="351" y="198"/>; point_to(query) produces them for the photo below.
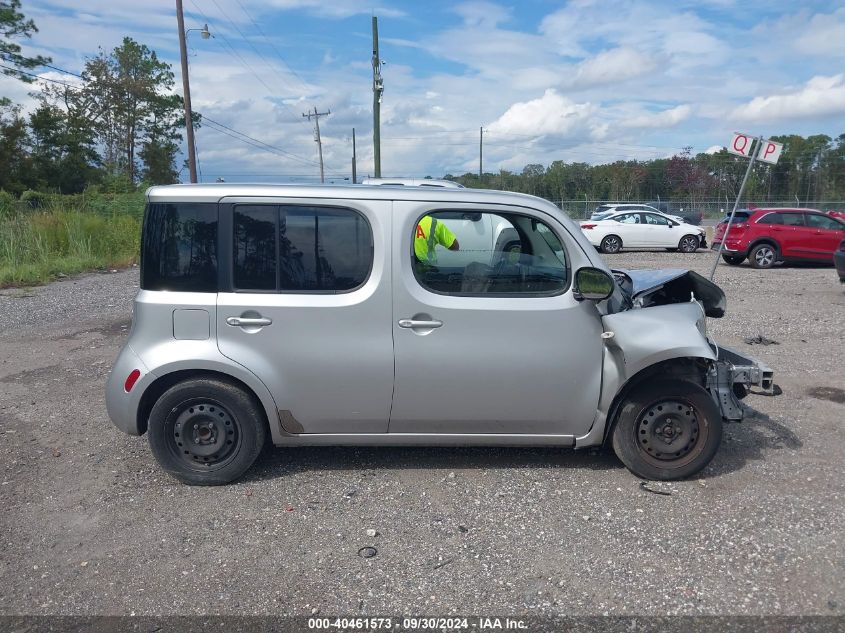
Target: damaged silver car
<point x="303" y="315"/>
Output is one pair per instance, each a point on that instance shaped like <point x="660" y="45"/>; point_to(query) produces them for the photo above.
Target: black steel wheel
<point x="206" y="431"/>
<point x="689" y="243"/>
<point x="611" y="244"/>
<point x="667" y="429"/>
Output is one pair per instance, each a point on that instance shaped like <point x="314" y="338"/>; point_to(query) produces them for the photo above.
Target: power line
<point x="247" y="40"/>
<point x="271" y="45"/>
<point x="55" y="81"/>
<point x="244" y="62"/>
<point x="256" y="142"/>
<point x="62" y="70"/>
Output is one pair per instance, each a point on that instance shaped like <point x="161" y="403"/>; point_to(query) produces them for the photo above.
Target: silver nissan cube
<point x="367" y="315"/>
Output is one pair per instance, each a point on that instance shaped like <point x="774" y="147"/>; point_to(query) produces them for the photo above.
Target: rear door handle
<point x="411" y="323"/>
<point x="249" y="322"/>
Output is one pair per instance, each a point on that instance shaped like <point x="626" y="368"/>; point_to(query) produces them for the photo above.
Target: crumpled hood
<point x="675" y="285"/>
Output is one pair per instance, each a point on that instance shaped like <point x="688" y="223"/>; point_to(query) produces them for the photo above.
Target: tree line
<point x="809" y="169"/>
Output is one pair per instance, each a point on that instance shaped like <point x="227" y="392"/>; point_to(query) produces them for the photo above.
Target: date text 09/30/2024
<point x="417" y="624"/>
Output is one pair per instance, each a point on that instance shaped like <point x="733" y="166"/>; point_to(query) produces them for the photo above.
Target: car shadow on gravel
<point x="750" y="440"/>
<point x="279" y="461"/>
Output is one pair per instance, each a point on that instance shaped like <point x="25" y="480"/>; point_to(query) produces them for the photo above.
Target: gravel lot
<point x="91" y="526"/>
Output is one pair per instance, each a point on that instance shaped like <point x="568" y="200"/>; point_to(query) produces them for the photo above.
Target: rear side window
<point x="179" y="247"/>
<point x="300" y="249"/>
<point x="771" y="218"/>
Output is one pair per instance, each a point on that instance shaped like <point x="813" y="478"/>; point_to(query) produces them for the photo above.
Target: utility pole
<point x="354" y="160"/>
<point x="186" y="88"/>
<point x="317" y="116"/>
<point x="480" y="153"/>
<point x="378" y="89"/>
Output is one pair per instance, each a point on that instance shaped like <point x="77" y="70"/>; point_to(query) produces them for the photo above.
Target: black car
<point x="839" y="261"/>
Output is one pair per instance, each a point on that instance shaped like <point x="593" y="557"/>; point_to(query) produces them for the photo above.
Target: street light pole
<point x="186" y="88"/>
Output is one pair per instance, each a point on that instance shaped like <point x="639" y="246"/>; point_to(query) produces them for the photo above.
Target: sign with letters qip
<point x="769" y="152"/>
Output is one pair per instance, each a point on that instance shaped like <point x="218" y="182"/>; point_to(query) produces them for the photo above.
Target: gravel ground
<point x="92" y="526"/>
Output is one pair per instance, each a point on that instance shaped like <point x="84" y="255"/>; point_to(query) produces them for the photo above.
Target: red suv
<point x="766" y="236"/>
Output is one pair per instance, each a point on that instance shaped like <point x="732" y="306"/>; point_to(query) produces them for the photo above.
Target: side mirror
<point x="593" y="283"/>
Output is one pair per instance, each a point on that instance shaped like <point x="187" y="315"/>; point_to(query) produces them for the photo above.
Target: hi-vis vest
<point x="425" y="240"/>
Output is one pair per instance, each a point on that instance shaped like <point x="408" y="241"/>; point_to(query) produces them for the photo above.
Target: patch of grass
<point x="69" y="236"/>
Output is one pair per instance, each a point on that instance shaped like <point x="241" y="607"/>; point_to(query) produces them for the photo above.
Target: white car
<point x="640" y="229"/>
<point x="606" y="210"/>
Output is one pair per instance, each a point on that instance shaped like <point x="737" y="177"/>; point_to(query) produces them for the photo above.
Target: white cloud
<point x="821" y="96"/>
<point x="550" y="114"/>
<point x="612" y="66"/>
<point x="664" y="119"/>
<point x="714" y="149"/>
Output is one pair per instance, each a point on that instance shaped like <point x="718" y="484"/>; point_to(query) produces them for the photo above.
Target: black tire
<point x="611" y="244"/>
<point x="668" y="429"/>
<point x="206" y="432"/>
<point x="763" y="256"/>
<point x="689" y="243"/>
<point x="733" y="260"/>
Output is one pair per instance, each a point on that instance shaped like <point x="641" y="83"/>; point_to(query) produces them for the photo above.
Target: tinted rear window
<point x="739" y="216"/>
<point x="179" y="247"/>
<point x="300" y="249"/>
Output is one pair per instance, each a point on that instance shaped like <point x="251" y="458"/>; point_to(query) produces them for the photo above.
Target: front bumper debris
<point x="731" y="377"/>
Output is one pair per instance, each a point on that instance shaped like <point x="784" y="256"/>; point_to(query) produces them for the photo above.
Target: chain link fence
<point x="710" y="209"/>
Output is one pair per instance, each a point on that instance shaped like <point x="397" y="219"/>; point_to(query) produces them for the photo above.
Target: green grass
<point x="70" y="234"/>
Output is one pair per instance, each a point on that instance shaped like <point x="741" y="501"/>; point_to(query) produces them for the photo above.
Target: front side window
<point x="659" y="220"/>
<point x="179" y="247"/>
<point x="493" y="254"/>
<point x="300" y="249"/>
<point x="823" y="222"/>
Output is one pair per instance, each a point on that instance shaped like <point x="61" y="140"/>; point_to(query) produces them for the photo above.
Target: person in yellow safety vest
<point x="429" y="233"/>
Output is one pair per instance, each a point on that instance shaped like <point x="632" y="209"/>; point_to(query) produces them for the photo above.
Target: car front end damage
<point x="730" y="375"/>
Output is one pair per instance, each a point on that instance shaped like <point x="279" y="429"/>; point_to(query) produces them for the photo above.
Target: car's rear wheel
<point x="611" y="244"/>
<point x="669" y="429"/>
<point x="206" y="432"/>
<point x="733" y="260"/>
<point x="689" y="244"/>
<point x="763" y="256"/>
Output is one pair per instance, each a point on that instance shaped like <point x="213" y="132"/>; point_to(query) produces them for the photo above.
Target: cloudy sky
<point x="584" y="80"/>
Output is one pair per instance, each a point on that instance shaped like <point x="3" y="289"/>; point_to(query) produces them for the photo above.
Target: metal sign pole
<point x="759" y="140"/>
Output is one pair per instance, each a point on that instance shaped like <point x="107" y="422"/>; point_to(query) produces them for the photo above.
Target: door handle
<point x="411" y="323"/>
<point x="249" y="322"/>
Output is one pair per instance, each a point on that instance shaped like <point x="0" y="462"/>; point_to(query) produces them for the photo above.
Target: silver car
<point x="306" y="315"/>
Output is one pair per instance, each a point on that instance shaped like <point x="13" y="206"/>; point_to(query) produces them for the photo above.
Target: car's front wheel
<point x="611" y="244"/>
<point x="206" y="432"/>
<point x="689" y="244"/>
<point x="667" y="429"/>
